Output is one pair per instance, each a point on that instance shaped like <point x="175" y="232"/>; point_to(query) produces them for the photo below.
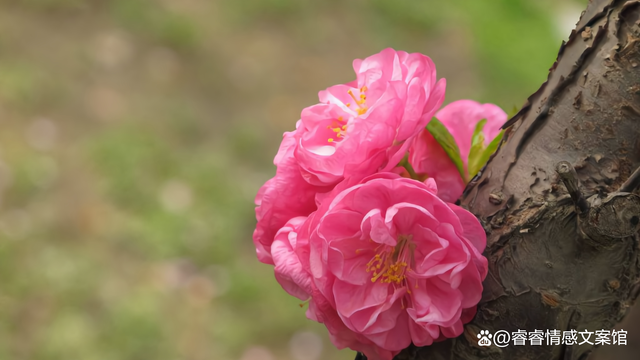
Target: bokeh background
<point x="134" y="135"/>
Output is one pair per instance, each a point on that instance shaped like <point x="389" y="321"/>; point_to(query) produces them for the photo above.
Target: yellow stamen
<point x="352" y="96"/>
<point x="361" y="109"/>
<point x="339" y="129"/>
<point x="330" y="140"/>
<point x="392" y="266"/>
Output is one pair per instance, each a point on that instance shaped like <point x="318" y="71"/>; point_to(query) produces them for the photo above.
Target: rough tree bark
<point x="557" y="199"/>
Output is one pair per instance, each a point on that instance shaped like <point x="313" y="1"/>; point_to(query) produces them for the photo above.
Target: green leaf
<point x="476" y="163"/>
<point x="477" y="132"/>
<point x="448" y="143"/>
<point x="477" y="146"/>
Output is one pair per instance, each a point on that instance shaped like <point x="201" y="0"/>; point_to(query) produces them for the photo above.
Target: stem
<point x="405" y="164"/>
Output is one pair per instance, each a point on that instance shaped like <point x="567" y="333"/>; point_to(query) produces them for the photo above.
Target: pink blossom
<point x="428" y="157"/>
<point x="385" y="262"/>
<point x="363" y="126"/>
<point x="283" y="197"/>
<point x="289" y="272"/>
<point x="460" y="118"/>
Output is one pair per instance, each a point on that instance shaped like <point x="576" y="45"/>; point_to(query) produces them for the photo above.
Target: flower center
<point x="339" y="127"/>
<point x="392" y="266"/>
<point x="361" y="109"/>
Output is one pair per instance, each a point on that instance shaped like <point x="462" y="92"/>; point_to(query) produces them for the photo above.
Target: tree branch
<point x="572" y="183"/>
<point x="632" y="183"/>
<point x="563" y="245"/>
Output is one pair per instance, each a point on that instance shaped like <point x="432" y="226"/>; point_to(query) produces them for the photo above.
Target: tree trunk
<point x="557" y="198"/>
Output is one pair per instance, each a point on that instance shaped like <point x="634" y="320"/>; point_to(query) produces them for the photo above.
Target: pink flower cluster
<point x="384" y="260"/>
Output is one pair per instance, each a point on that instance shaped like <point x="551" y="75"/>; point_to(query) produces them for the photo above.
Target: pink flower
<point x="460" y="118"/>
<point x="289" y="255"/>
<point x="363" y="126"/>
<point x="385" y="262"/>
<point x="285" y="196"/>
<point x="289" y="272"/>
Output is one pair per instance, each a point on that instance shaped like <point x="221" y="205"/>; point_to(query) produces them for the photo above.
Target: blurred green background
<point x="134" y="135"/>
